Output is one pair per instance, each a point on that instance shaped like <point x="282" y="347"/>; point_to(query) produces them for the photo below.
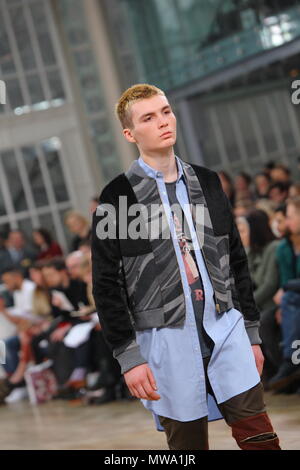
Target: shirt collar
<point x="152" y="173"/>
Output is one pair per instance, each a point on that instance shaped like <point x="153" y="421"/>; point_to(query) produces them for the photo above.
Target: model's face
<point x="154" y="125"/>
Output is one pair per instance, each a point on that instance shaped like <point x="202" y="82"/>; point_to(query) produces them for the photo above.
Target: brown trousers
<point x="245" y="414"/>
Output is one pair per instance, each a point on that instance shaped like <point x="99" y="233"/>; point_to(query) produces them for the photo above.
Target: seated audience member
<point x="85" y="247"/>
<point x="243" y="207"/>
<point x="109" y="372"/>
<point x="79" y="226"/>
<point x="280" y="174"/>
<point x="16" y="252"/>
<point x="294" y="190"/>
<point x="262" y="182"/>
<point x="47" y="248"/>
<point x="267" y="206"/>
<point x="278" y="223"/>
<point x="278" y="192"/>
<point x="73" y="264"/>
<point x="18" y="350"/>
<point x="288" y="296"/>
<point x="67" y="296"/>
<point x="260" y="245"/>
<point x="242" y="186"/>
<point x="228" y="186"/>
<point x="268" y="167"/>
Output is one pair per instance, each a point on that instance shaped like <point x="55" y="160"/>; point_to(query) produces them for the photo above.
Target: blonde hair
<point x="137" y="92"/>
<point x="72" y="213"/>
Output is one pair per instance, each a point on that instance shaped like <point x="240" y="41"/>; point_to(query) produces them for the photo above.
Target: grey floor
<point x="121" y="425"/>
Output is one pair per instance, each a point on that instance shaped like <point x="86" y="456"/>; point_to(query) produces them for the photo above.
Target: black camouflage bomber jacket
<point x="137" y="282"/>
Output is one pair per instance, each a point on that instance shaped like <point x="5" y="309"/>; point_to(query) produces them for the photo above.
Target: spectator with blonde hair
<point x="294" y="190"/>
<point x="79" y="226"/>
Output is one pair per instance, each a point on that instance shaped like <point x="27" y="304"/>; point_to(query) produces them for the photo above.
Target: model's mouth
<point x="166" y="134"/>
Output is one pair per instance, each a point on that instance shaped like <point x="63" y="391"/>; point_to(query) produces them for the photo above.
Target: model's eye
<point x="147" y="119"/>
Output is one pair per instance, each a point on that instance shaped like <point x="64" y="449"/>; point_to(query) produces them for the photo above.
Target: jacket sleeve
<point x="109" y="292"/>
<point x="243" y="283"/>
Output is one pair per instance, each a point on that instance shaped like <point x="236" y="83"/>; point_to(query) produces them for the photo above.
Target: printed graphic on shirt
<point x="187" y="252"/>
<point x="190" y="263"/>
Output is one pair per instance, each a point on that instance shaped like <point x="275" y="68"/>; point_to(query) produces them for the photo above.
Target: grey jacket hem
<point x="129" y="358"/>
<point x="252" y="328"/>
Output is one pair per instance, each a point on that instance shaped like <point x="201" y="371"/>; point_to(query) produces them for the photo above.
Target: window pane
<point x="46" y="221"/>
<point x="42" y="32"/>
<point x="83" y="58"/>
<point x="22" y="37"/>
<point x="26" y="227"/>
<point x="14" y="93"/>
<point x="6" y="59"/>
<point x="241" y="108"/>
<point x="93" y="104"/>
<point x="226" y="128"/>
<point x="99" y="126"/>
<point x="14" y="181"/>
<point x="264" y="119"/>
<point x="35" y="176"/>
<point x="2" y="206"/>
<point x="56" y="172"/>
<point x="35" y="89"/>
<point x="55" y="83"/>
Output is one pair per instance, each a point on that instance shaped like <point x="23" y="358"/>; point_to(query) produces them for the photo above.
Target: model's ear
<point x="128" y="135"/>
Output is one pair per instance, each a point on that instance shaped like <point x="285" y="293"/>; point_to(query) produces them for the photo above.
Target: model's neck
<point x="164" y="162"/>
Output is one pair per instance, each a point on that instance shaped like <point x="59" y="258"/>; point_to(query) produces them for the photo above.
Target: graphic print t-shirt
<point x="192" y="272"/>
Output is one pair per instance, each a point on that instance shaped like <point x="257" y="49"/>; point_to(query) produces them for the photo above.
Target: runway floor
<point x="121" y="425"/>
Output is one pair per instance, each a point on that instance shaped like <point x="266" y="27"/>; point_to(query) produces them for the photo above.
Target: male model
<point x="172" y="287"/>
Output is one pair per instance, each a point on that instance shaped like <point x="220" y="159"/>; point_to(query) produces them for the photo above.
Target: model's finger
<point x="142" y="393"/>
<point x="150" y="391"/>
<point x="151" y="378"/>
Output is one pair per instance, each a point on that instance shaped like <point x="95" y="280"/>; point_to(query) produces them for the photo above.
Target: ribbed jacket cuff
<point x="130" y="358"/>
<point x="252" y="328"/>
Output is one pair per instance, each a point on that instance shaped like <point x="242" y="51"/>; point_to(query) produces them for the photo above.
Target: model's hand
<point x="259" y="357"/>
<point x="141" y="382"/>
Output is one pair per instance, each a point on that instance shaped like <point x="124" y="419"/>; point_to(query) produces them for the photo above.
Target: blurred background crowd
<point x="47" y="309"/>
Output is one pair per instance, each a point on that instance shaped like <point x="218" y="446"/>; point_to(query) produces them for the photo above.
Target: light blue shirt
<point x="174" y="354"/>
